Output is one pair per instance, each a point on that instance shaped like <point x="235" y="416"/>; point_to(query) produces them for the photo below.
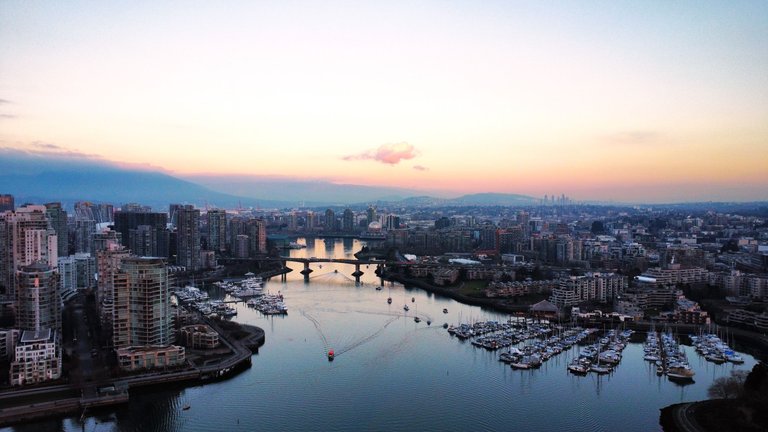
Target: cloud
<point x="48" y="149"/>
<point x="4" y="101"/>
<point x="390" y="154"/>
<point x="47" y="146"/>
<point x="36" y="156"/>
<point x="636" y="137"/>
<point x="420" y="168"/>
<point x="7" y="116"/>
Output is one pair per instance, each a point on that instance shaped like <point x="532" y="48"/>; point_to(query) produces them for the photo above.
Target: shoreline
<point x="747" y="341"/>
<point x="679" y="417"/>
<point x="122" y="386"/>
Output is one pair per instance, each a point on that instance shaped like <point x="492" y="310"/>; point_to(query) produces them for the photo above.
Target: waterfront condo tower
<point x="188" y="237"/>
<point x="141" y="303"/>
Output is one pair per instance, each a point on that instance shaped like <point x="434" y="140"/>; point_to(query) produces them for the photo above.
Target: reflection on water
<point x="392" y="373"/>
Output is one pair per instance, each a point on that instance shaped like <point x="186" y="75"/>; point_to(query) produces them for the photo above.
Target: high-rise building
<point x="371" y="214"/>
<point x="141" y="303"/>
<point x="173" y="212"/>
<point x="38" y="304"/>
<point x="237" y="227"/>
<point x="392" y="222"/>
<point x="143" y="240"/>
<point x="25" y="238"/>
<point x="6" y="203"/>
<point x="217" y="230"/>
<point x="57" y="218"/>
<point x="67" y="276"/>
<point x="84" y="231"/>
<point x="188" y="237"/>
<point x="257" y="236"/>
<point x="103" y="240"/>
<point x="100" y="213"/>
<point x="108" y="264"/>
<point x="241" y="246"/>
<point x="330" y="220"/>
<point x="348" y="221"/>
<point x="125" y="221"/>
<point x="311" y="224"/>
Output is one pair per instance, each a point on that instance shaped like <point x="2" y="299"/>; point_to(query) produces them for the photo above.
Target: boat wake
<point x="366" y="339"/>
<point x="317" y="327"/>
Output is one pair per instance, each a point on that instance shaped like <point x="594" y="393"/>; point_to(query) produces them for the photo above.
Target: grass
<point x="472" y="288"/>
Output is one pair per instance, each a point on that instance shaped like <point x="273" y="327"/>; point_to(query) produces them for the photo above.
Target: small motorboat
<point x="445" y="310"/>
<point x="389" y="300"/>
<point x="186" y="407"/>
<point x="406" y="308"/>
<point x="331" y="355"/>
<point x="417" y="319"/>
<point x="413" y="299"/>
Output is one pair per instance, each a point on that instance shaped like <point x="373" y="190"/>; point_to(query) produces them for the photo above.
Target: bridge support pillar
<point x="357" y="274"/>
<point x="306" y="272"/>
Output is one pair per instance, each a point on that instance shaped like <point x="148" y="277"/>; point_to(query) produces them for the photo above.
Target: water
<point x="391" y="373"/>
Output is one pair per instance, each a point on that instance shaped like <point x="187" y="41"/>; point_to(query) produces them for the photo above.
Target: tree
<point x="756" y="382"/>
<point x="597" y="227"/>
<point x="730" y="387"/>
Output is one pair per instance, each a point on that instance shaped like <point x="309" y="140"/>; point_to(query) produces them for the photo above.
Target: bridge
<point x="356" y="262"/>
<point x="380" y="264"/>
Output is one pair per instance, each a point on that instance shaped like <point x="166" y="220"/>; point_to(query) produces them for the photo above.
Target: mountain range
<point x="44" y="177"/>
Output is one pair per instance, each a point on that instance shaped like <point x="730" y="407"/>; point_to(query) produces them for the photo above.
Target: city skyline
<point x="651" y="101"/>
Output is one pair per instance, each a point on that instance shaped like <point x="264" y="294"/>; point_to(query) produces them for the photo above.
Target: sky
<point x="607" y="100"/>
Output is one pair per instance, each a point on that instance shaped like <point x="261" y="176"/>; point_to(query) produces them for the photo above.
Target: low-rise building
<point x="677" y="274"/>
<point x="150" y="357"/>
<point x="199" y="336"/>
<point x="748" y="318"/>
<point x="600" y="287"/>
<point x="445" y="276"/>
<point x="519" y="288"/>
<point x="37" y="358"/>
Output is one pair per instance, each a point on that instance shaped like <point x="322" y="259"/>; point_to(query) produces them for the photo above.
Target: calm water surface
<point x="391" y="373"/>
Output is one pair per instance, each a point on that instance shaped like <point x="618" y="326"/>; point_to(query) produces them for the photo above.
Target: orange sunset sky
<point x="650" y="100"/>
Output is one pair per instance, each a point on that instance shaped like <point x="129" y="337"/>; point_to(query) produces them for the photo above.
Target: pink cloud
<point x="420" y="168"/>
<point x="390" y="154"/>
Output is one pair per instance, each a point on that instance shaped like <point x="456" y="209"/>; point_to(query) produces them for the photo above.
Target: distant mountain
<point x="39" y="176"/>
<point x="310" y="193"/>
<point x="38" y="179"/>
